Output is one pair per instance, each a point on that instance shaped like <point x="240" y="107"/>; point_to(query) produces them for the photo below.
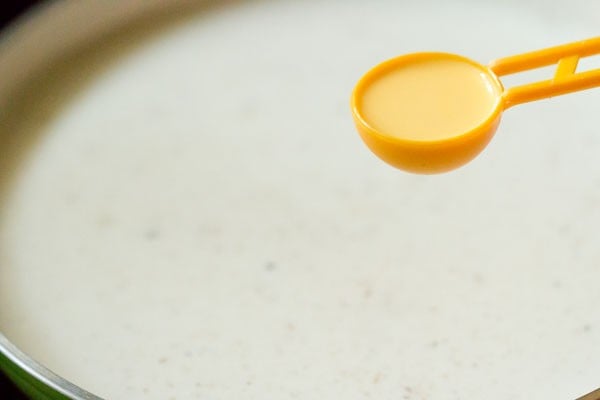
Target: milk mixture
<point x="188" y="213"/>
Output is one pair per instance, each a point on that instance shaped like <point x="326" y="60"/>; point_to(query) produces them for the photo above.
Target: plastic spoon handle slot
<point x="565" y="80"/>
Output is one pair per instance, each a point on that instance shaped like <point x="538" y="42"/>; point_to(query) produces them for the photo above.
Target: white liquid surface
<point x="194" y="217"/>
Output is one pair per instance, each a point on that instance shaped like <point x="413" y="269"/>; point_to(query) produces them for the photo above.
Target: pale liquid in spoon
<point x="429" y="100"/>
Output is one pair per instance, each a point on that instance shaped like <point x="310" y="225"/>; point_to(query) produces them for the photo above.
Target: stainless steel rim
<point x="41" y="373"/>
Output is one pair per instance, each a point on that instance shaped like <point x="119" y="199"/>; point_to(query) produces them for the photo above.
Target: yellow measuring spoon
<point x="433" y="112"/>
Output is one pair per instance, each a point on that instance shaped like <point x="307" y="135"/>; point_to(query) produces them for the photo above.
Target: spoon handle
<point x="566" y="79"/>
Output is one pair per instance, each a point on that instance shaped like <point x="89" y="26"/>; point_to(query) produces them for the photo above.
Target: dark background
<point x="9" y="11"/>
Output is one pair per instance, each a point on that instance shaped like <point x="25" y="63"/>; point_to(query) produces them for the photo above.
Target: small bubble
<point x="557" y="284"/>
<point x="564" y="229"/>
<point x="377" y="378"/>
<point x="270" y="266"/>
<point x="151" y="234"/>
<point x="104" y="221"/>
